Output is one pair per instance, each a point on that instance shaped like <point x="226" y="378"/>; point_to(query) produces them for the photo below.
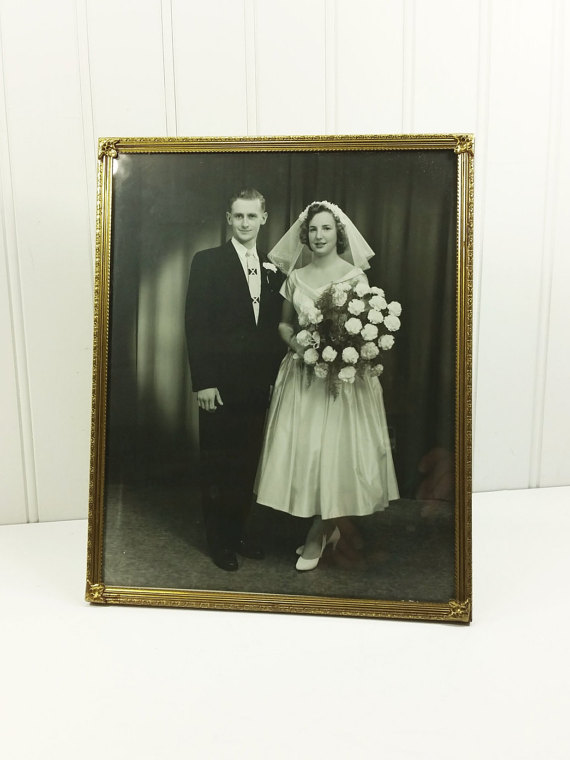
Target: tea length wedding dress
<point x="324" y="455"/>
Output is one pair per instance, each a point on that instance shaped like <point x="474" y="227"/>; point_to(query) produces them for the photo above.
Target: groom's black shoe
<point x="246" y="548"/>
<point x="225" y="559"/>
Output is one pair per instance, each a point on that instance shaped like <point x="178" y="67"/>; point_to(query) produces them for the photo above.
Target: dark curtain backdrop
<point x="167" y="207"/>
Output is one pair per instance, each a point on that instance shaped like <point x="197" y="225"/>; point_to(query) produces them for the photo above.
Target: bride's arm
<point x="286" y="329"/>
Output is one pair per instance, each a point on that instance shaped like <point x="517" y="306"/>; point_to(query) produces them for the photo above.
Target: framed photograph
<point x="281" y="414"/>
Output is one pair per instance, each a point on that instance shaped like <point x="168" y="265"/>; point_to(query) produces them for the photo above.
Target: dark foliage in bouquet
<point x="345" y="332"/>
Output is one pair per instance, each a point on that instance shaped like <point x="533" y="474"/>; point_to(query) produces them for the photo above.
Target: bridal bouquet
<point x="344" y="332"/>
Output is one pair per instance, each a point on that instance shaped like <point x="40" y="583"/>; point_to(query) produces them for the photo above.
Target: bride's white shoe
<point x="310" y="564"/>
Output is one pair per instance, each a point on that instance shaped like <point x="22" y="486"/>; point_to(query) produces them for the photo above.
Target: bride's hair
<point x="317" y="208"/>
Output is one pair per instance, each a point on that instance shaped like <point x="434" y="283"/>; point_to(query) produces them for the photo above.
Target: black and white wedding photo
<point x="281" y="387"/>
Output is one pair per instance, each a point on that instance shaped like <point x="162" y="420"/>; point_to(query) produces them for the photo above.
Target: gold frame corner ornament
<point x="460" y="611"/>
<point x="95" y="592"/>
<point x="465" y="144"/>
<point x="108" y="148"/>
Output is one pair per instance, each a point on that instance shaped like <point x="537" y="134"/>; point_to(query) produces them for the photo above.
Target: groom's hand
<point x="209" y="399"/>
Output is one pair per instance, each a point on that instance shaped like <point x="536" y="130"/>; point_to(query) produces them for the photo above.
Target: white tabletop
<point x="80" y="681"/>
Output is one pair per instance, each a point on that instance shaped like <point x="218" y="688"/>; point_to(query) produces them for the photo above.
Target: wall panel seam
<point x="331" y="53"/>
<point x="408" y="65"/>
<point x="481" y="154"/>
<point x="168" y="65"/>
<point x="15" y="305"/>
<point x="250" y="52"/>
<point x="88" y="130"/>
<point x="548" y="235"/>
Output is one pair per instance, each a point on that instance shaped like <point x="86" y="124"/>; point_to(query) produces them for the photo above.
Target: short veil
<point x="290" y="253"/>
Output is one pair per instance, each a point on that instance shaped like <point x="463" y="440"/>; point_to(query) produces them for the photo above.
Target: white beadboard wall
<point x="75" y="70"/>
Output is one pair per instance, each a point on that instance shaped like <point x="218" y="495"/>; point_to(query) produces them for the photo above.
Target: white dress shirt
<point x="252" y="270"/>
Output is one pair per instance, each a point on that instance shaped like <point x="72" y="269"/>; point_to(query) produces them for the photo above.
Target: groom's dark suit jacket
<point x="226" y="348"/>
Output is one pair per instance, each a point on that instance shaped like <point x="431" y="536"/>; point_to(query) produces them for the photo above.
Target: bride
<point x="323" y="456"/>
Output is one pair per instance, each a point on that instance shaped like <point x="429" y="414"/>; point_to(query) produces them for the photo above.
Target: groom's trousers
<point x="230" y="444"/>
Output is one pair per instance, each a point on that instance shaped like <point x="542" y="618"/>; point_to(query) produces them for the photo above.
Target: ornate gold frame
<point x="457" y="609"/>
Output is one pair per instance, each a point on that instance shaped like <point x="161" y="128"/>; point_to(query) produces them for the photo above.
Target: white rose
<point x="339" y="297"/>
<point x="350" y="355"/>
<point x="392" y="323"/>
<point x="347" y="374"/>
<point x="311" y="356"/>
<point x="315" y="315"/>
<point x="345" y="286"/>
<point x="315" y="339"/>
<point x="369" y="332"/>
<point x="395" y="308"/>
<point x="329" y="354"/>
<point x="308" y="313"/>
<point x="377" y="291"/>
<point x="361" y="289"/>
<point x="378" y="302"/>
<point x="376" y="370"/>
<point x="375" y="316"/>
<point x="356" y="306"/>
<point x="321" y="370"/>
<point x="304" y="338"/>
<point x="353" y="325"/>
<point x="386" y="342"/>
<point x="369" y="351"/>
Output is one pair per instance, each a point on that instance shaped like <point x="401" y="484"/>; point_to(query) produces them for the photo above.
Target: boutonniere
<point x="270" y="275"/>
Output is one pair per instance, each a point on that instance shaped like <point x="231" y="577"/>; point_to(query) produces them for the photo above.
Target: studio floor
<point x="155" y="537"/>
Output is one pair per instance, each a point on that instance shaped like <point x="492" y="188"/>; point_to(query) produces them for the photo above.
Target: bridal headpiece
<point x="290" y="253"/>
<point x="336" y="210"/>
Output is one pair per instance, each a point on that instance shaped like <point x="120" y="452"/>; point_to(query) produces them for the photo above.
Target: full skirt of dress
<point x="323" y="455"/>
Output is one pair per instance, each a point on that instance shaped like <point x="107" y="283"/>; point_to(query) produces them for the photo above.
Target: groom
<point x="233" y="308"/>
